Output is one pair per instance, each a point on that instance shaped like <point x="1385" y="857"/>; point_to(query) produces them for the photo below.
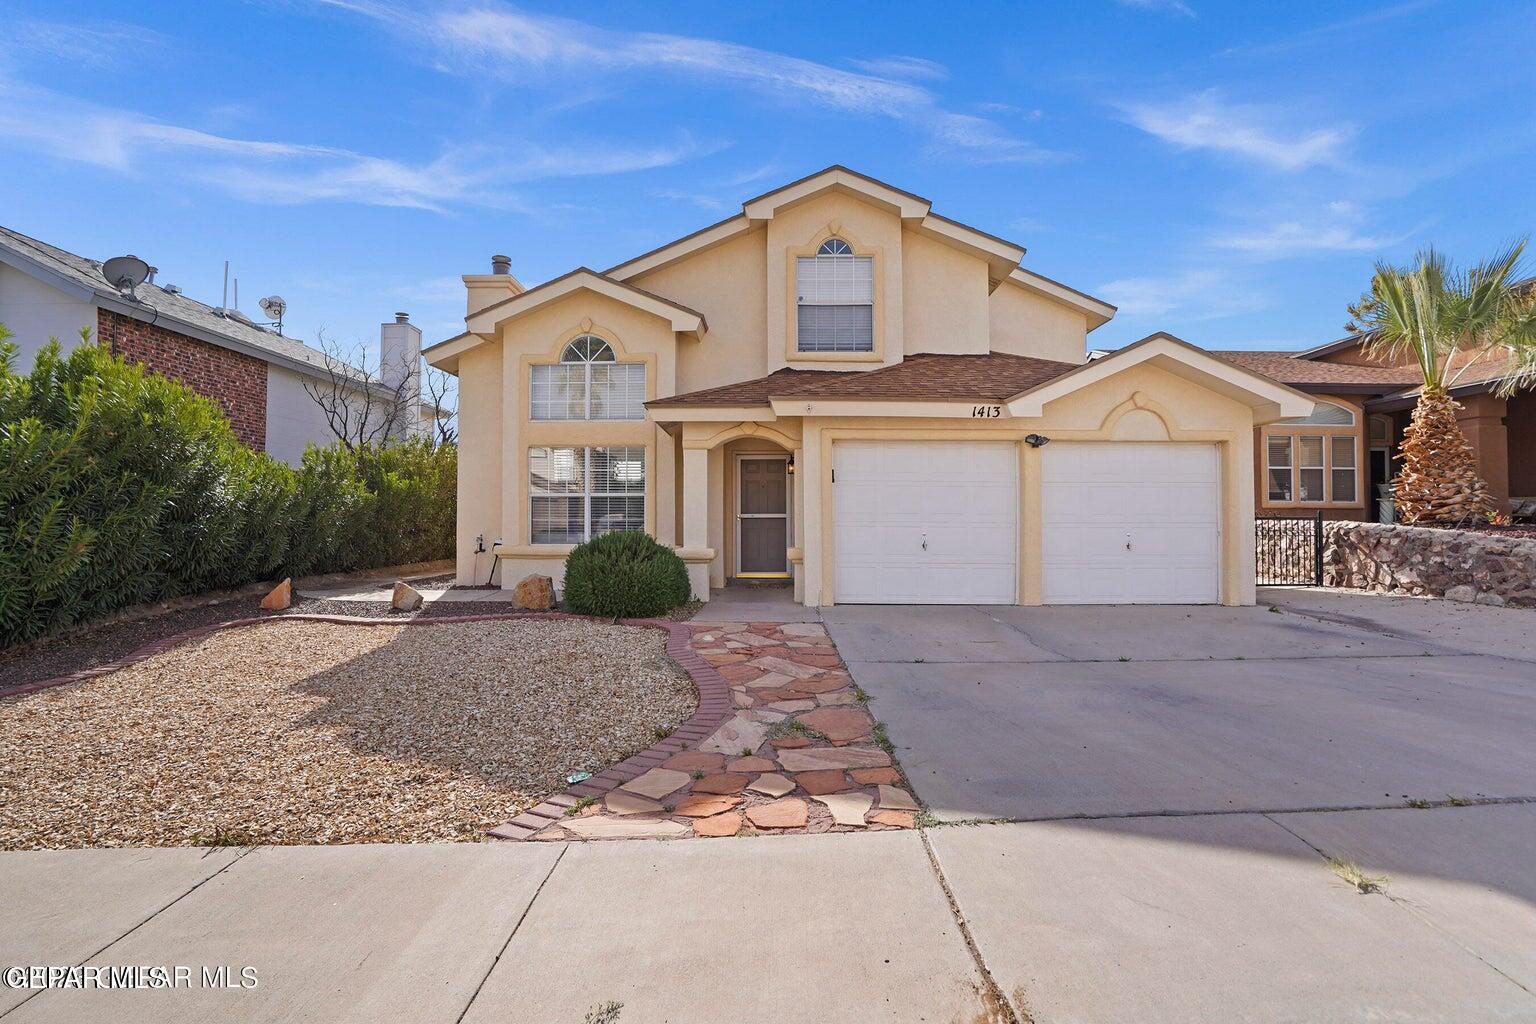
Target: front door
<point x="762" y="518"/>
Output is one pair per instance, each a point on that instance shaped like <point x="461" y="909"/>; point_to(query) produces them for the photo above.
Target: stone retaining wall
<point x="1458" y="564"/>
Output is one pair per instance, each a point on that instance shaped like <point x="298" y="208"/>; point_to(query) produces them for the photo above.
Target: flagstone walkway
<point x="799" y="755"/>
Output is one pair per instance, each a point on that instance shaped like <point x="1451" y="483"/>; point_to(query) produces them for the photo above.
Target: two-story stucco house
<point x="841" y="387"/>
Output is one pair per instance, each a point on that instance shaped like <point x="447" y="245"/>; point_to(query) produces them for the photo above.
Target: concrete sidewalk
<point x="1170" y="919"/>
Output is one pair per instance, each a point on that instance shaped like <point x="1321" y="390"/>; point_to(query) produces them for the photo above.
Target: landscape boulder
<point x="279" y="597"/>
<point x="406" y="598"/>
<point x="534" y="593"/>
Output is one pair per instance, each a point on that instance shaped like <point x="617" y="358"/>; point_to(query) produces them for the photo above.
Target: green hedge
<point x="119" y="486"/>
<point x="624" y="575"/>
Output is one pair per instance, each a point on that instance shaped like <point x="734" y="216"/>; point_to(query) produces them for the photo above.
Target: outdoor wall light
<point x="1037" y="440"/>
<point x="789" y="467"/>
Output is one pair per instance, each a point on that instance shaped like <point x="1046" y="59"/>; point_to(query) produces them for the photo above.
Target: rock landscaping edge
<point x="714" y="697"/>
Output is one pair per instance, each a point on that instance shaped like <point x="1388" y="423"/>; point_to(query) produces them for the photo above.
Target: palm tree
<point x="1446" y="319"/>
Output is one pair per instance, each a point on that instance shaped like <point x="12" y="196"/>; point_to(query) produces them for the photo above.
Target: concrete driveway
<point x="1170" y="786"/>
<point x="1182" y="872"/>
<point x="1035" y="713"/>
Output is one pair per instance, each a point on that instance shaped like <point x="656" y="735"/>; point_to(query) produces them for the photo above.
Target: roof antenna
<point x="236" y="306"/>
<point x="224" y="303"/>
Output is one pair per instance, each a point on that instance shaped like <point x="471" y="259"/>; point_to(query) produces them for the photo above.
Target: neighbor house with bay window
<point x="1341" y="459"/>
<point x="842" y="388"/>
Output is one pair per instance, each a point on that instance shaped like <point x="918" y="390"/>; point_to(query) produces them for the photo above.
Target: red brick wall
<point x="236" y="381"/>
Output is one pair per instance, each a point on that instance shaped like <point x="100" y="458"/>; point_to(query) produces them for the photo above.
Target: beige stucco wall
<point x="871" y="231"/>
<point x="539" y="337"/>
<point x="944" y="298"/>
<point x="1027" y="324"/>
<point x="727" y="284"/>
<point x="481" y="399"/>
<point x="930" y="297"/>
<point x="1118" y="408"/>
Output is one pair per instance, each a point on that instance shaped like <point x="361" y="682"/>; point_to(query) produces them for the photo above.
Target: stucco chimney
<point x="488" y="289"/>
<point x="400" y="365"/>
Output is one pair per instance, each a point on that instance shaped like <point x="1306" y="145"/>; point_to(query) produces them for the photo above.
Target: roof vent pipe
<point x="152" y="272"/>
<point x="402" y="318"/>
<point x="501" y="264"/>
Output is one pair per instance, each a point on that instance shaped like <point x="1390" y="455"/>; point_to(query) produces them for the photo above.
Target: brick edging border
<point x="714" y="697"/>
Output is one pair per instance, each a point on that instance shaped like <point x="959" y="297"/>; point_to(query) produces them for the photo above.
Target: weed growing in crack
<point x="581" y="804"/>
<point x="1418" y="805"/>
<point x="1353" y="874"/>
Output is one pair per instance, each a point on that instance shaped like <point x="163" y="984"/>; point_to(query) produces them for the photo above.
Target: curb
<point x="714" y="697"/>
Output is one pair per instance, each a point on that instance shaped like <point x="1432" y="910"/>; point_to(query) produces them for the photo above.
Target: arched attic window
<point x="1328" y="414"/>
<point x="587" y="384"/>
<point x="835" y="300"/>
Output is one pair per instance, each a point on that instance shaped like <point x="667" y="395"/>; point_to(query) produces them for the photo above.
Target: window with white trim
<point x="576" y="494"/>
<point x="1311" y="468"/>
<point x="587" y="384"/>
<point x="835" y="300"/>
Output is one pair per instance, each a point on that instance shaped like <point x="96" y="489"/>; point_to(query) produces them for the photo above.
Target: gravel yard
<point x="307" y="732"/>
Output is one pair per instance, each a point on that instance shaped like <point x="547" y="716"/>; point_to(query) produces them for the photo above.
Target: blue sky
<point x="1224" y="171"/>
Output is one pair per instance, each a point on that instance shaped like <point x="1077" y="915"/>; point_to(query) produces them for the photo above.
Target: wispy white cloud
<point x="494" y="38"/>
<point x="270" y="171"/>
<point x="87" y="43"/>
<point x="897" y="66"/>
<point x="699" y="199"/>
<point x="1249" y="131"/>
<point x="1197" y="294"/>
<point x="1337" y="228"/>
<point x="1168" y="6"/>
<point x="1333" y="29"/>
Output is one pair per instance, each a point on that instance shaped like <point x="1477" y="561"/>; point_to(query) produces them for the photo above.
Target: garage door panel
<point x="1161" y="499"/>
<point x="889" y="498"/>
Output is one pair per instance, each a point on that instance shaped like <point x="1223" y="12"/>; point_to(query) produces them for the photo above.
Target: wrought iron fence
<point x="1288" y="550"/>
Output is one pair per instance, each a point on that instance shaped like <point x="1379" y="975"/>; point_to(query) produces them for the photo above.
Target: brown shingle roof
<point x="924" y="376"/>
<point x="1287" y="368"/>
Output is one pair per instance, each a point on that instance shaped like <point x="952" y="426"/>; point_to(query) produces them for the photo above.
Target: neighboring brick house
<point x="255" y="374"/>
<point x="1341" y="458"/>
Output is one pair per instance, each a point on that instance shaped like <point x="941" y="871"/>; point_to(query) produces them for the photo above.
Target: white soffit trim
<point x="1098" y="311"/>
<point x="914" y="210"/>
<point x="705" y="238"/>
<point x="907" y="205"/>
<point x="919" y="408"/>
<point x="683" y="320"/>
<point x="663" y="413"/>
<point x="445" y="354"/>
<point x="1269" y="399"/>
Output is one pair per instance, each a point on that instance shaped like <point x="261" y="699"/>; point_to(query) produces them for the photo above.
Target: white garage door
<point x="925" y="522"/>
<point x="1130" y="523"/>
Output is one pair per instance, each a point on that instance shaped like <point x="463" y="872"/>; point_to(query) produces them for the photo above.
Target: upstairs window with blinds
<point x="587" y="384"/>
<point x="835" y="303"/>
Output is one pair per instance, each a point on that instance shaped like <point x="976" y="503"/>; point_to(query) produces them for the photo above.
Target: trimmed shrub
<point x="119" y="486"/>
<point x="624" y="575"/>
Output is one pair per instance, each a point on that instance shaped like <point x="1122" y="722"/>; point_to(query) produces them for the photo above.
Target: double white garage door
<point x="937" y="522"/>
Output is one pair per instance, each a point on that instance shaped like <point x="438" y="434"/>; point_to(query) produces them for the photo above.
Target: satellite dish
<point x="125" y="273"/>
<point x="273" y="306"/>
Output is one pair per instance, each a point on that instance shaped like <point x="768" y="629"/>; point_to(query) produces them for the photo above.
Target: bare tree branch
<point x="445" y="420"/>
<point x="363" y="404"/>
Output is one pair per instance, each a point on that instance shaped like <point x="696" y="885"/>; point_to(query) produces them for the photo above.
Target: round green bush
<point x="623" y="576"/>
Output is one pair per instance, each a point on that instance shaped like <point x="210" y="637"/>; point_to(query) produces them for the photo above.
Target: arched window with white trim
<point x="587" y="384"/>
<point x="1328" y="414"/>
<point x="835" y="300"/>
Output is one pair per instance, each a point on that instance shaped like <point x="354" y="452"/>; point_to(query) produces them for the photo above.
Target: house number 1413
<point x="986" y="412"/>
